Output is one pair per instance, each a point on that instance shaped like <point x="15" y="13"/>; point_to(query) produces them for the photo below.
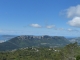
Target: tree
<point x="78" y="57"/>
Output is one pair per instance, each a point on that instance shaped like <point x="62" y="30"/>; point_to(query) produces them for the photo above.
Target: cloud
<point x="69" y="29"/>
<point x="75" y="22"/>
<point x="35" y="25"/>
<point x="73" y="11"/>
<point x="72" y="30"/>
<point x="50" y="26"/>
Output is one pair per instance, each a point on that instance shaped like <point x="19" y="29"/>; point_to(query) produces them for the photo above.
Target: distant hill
<point x="77" y="39"/>
<point x="33" y="41"/>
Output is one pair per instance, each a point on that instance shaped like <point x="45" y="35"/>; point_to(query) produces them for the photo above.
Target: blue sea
<point x="6" y="37"/>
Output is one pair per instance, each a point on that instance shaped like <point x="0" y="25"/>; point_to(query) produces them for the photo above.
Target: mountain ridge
<point x="33" y="41"/>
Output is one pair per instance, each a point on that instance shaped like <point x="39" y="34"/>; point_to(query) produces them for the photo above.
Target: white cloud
<point x="72" y="30"/>
<point x="35" y="25"/>
<point x="75" y="22"/>
<point x="73" y="11"/>
<point x="69" y="29"/>
<point x="50" y="26"/>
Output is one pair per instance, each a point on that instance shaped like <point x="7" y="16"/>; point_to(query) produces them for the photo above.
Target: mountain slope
<point x="33" y="41"/>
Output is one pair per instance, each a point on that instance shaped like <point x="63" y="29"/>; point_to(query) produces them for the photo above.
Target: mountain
<point x="33" y="41"/>
<point x="77" y="39"/>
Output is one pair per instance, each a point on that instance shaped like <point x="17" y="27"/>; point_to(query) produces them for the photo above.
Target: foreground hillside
<point x="33" y="41"/>
<point x="69" y="52"/>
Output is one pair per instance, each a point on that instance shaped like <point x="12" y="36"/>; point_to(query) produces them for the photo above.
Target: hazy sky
<point x="40" y="17"/>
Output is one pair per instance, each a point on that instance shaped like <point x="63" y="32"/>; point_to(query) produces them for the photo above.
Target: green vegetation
<point x="69" y="52"/>
<point x="36" y="41"/>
